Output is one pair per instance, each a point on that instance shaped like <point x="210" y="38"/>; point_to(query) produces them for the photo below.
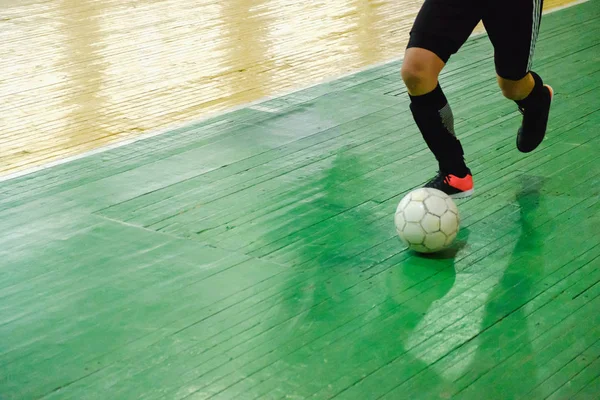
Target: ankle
<point x="533" y="98"/>
<point x="458" y="169"/>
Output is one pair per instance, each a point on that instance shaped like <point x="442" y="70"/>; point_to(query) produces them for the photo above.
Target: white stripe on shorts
<point x="537" y="10"/>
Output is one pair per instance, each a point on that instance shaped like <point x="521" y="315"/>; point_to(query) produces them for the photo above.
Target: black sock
<point x="536" y="94"/>
<point x="435" y="120"/>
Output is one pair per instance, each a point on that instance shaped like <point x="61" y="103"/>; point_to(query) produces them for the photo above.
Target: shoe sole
<point x="462" y="195"/>
<point x="551" y="98"/>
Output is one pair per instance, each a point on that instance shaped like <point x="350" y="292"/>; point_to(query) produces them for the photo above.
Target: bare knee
<point x="420" y="71"/>
<point x="417" y="79"/>
<point x="516" y="90"/>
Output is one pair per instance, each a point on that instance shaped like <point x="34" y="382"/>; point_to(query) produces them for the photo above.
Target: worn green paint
<point x="254" y="255"/>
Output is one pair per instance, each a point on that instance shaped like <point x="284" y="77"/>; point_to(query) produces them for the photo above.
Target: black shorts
<point x="443" y="26"/>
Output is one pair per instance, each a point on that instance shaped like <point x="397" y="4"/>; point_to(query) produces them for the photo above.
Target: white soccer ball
<point x="427" y="220"/>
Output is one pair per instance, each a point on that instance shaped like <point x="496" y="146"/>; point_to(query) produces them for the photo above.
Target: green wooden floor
<point x="254" y="256"/>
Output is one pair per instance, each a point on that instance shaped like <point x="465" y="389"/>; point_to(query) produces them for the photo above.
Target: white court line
<point x="565" y="6"/>
<point x="253" y="104"/>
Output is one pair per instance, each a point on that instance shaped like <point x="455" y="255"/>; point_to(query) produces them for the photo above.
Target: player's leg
<point x="513" y="27"/>
<point x="441" y="27"/>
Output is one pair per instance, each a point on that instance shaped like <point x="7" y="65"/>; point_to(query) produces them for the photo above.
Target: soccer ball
<point x="427" y="220"/>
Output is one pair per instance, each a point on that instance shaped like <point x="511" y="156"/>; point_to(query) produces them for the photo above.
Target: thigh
<point x="443" y="26"/>
<point x="513" y="26"/>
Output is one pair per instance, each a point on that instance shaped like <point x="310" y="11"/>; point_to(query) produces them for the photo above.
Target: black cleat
<point x="452" y="185"/>
<point x="535" y="120"/>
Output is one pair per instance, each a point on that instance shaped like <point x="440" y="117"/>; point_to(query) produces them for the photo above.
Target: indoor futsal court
<point x="197" y="201"/>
